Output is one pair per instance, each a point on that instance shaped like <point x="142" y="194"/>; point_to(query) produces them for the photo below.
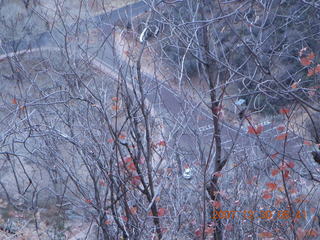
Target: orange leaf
<point x="122" y="136"/>
<point x="265" y="234"/>
<point x="275" y="172"/>
<point x="258" y="130"/>
<point x="294" y="85"/>
<point x="305" y="61"/>
<point x="284" y="111"/>
<point x="311" y="56"/>
<point x="282" y="137"/>
<point x="271" y="186"/>
<point x="14" y="101"/>
<point x="107" y="222"/>
<point x="161" y="212"/>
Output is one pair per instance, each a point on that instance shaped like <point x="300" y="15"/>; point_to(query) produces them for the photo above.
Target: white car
<point x="187" y="173"/>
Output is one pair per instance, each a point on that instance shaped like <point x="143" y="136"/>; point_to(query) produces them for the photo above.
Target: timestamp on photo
<point x="258" y="214"/>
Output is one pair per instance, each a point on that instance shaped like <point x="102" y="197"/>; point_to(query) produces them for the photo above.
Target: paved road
<point x="185" y="118"/>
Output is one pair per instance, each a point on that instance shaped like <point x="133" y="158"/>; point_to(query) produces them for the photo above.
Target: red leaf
<point x="286" y="174"/>
<point x="216" y="204"/>
<point x="282" y="137"/>
<point x="122" y="136"/>
<point x="131" y="167"/>
<point x="124" y="218"/>
<point x="271" y="186"/>
<point x="305" y="61"/>
<point x="88" y="201"/>
<point x="136" y="180"/>
<point x="115" y="99"/>
<point x="258" y="130"/>
<point x="110" y="140"/>
<point x="284" y="111"/>
<point x="266" y="195"/>
<point x="311" y="56"/>
<point x="14" y="101"/>
<point x="217" y="174"/>
<point x="290" y="164"/>
<point x="162" y="143"/>
<point x="198" y="232"/>
<point x="281" y="128"/>
<point x="161" y="212"/>
<point x="275" y="172"/>
<point x="107" y="222"/>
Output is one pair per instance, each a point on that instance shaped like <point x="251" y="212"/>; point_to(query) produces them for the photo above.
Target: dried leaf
<point x="305" y="61"/>
<point x="281" y="128"/>
<point x="311" y="56"/>
<point x="290" y="164"/>
<point x="294" y="85"/>
<point x="271" y="186"/>
<point x="162" y="143"/>
<point x="275" y="172"/>
<point x="284" y="111"/>
<point x="161" y="212"/>
<point x="282" y="136"/>
<point x="216" y="204"/>
<point x="258" y="130"/>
